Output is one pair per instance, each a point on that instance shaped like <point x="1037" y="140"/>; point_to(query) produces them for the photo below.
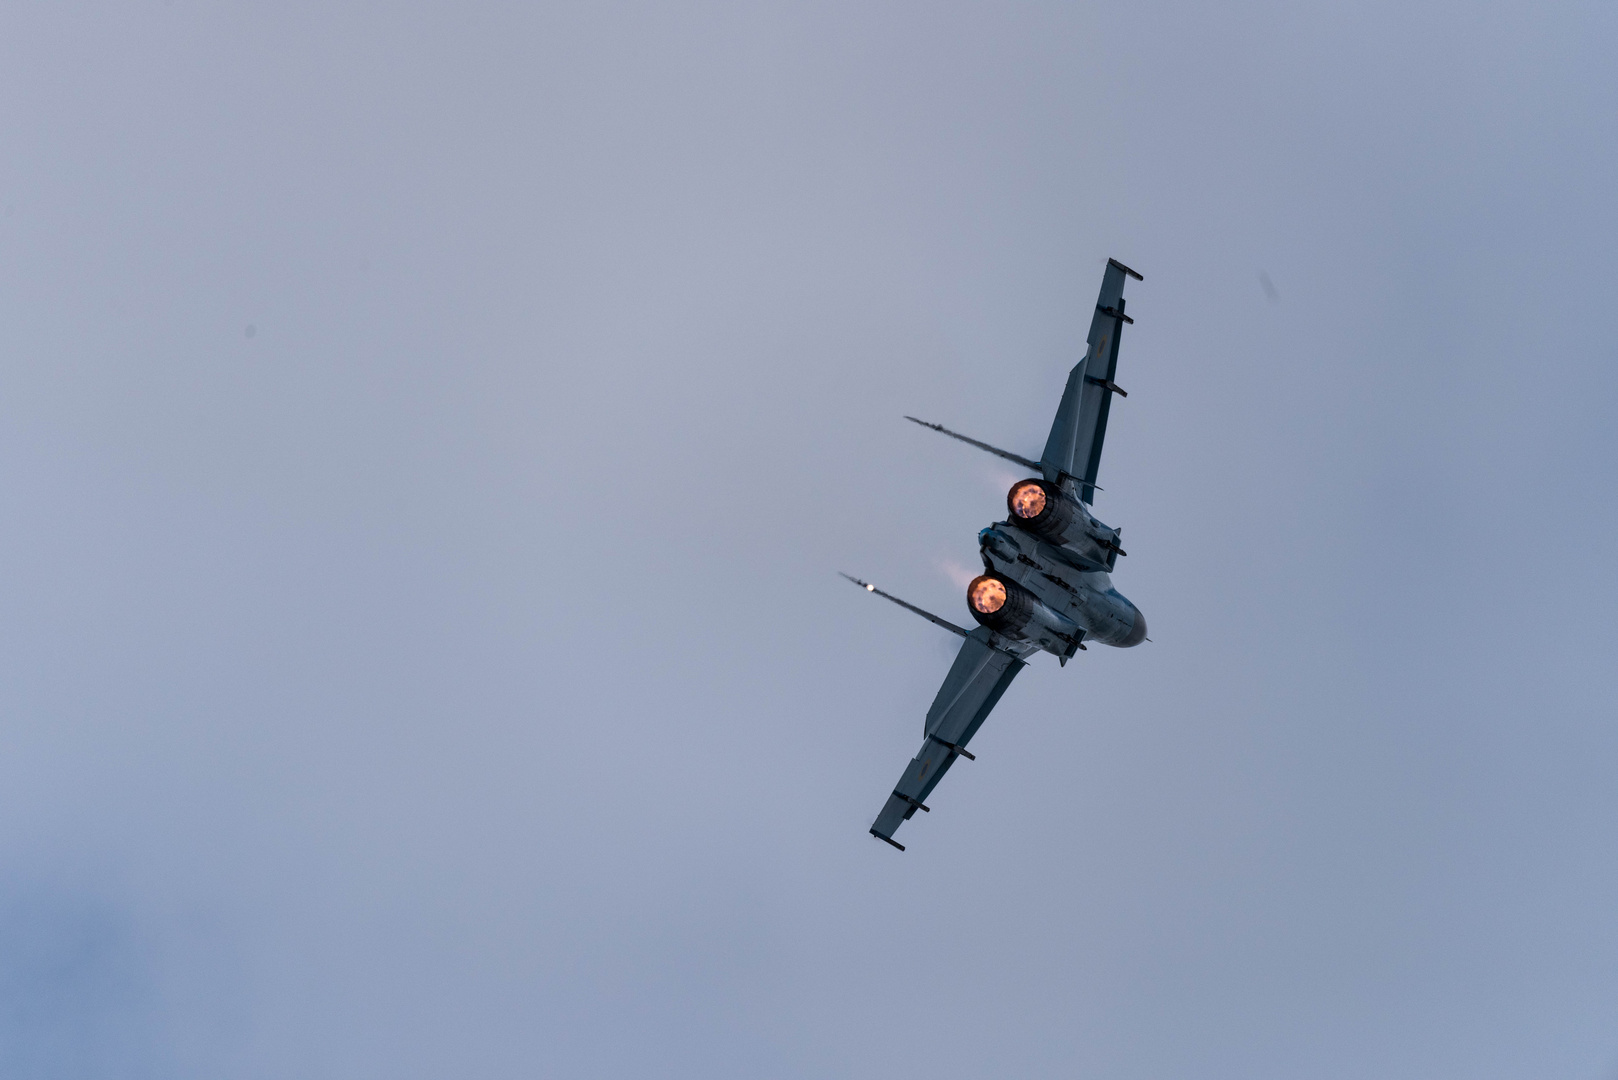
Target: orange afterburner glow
<point x="987" y="595"/>
<point x="1028" y="499"/>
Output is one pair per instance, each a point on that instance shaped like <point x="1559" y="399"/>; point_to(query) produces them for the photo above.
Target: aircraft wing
<point x="982" y="671"/>
<point x="1074" y="447"/>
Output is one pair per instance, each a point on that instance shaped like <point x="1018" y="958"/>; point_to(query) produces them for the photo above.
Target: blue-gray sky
<point x="428" y="436"/>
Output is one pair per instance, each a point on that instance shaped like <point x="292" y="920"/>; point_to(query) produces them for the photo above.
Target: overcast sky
<point x="429" y="436"/>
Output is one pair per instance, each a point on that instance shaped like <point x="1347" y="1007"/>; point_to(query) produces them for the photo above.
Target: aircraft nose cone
<point x="1137" y="633"/>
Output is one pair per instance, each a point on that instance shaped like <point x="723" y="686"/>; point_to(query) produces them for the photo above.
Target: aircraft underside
<point x="1047" y="568"/>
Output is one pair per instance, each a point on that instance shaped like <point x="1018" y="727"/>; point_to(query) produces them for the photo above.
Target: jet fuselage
<point x="1046" y="575"/>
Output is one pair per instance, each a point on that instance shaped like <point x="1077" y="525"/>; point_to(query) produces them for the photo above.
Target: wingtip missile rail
<point x="929" y="616"/>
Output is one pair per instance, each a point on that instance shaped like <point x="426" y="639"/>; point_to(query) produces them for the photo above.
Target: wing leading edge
<point x="1073" y="451"/>
<point x="981" y="672"/>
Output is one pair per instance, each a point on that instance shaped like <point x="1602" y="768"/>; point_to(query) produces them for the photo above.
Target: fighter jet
<point x="1046" y="581"/>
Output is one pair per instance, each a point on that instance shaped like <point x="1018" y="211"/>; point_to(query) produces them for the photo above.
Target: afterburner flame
<point x="987" y="596"/>
<point x="1028" y="499"/>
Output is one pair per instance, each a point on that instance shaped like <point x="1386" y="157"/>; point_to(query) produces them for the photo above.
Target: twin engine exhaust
<point x="1005" y="606"/>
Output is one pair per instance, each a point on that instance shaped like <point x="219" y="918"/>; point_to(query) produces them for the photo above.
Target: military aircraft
<point x="1046" y="580"/>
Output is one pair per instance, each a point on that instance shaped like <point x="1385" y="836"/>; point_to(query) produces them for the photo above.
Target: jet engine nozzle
<point x="1007" y="608"/>
<point x="999" y="603"/>
<point x="1028" y="499"/>
<point x="987" y="595"/>
<point x="1041" y="508"/>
